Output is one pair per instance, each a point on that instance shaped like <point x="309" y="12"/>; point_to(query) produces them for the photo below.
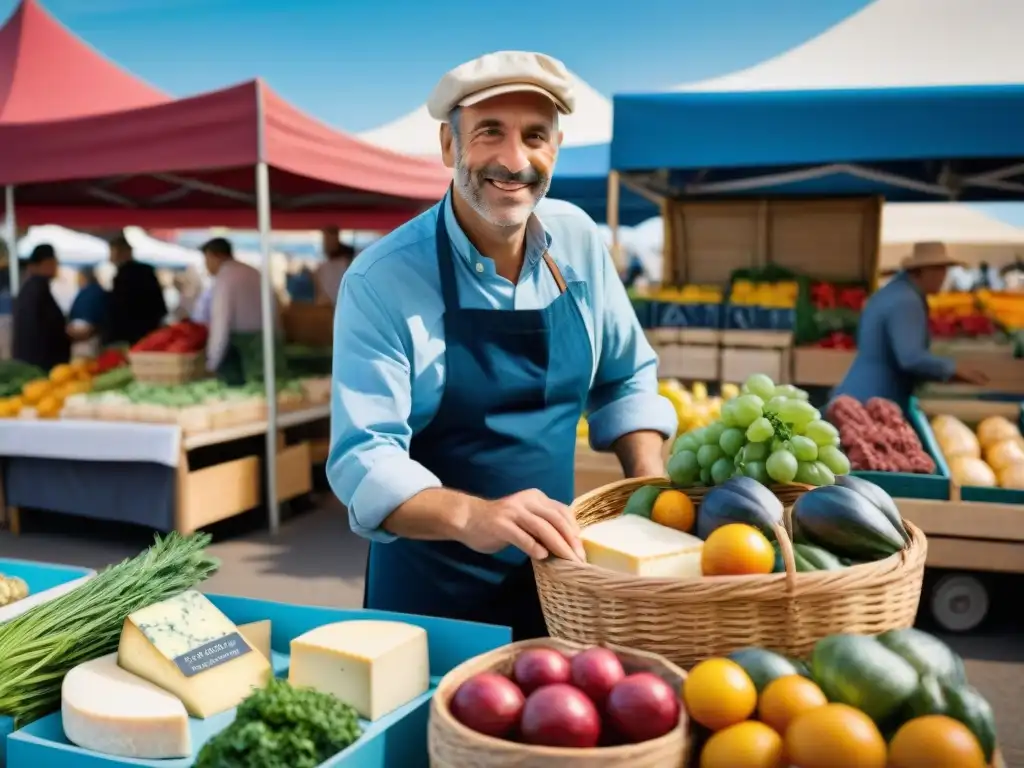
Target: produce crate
<point x="820" y="367"/>
<point x="748" y="352"/>
<point x="311" y="325"/>
<point x="399" y="739"/>
<point x="908" y="484"/>
<point x="167" y="367"/>
<point x="45" y="582"/>
<point x="971" y="412"/>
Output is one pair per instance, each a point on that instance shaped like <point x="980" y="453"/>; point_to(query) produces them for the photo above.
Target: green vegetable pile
<point x="283" y="727"/>
<point x="43" y="644"/>
<point x="196" y="393"/>
<point x="15" y="374"/>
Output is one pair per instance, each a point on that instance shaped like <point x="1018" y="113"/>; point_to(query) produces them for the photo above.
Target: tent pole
<point x="269" y="323"/>
<point x="11" y="236"/>
<point x="613" y="219"/>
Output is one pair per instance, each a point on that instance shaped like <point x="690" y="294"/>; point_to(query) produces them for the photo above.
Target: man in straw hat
<point x="893" y="338"/>
<point x="468" y="343"/>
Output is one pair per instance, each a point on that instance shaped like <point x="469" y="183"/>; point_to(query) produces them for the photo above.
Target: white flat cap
<point x="502" y="72"/>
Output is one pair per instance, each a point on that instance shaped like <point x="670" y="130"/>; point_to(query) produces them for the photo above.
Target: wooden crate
<point x="690" y="362"/>
<point x="311" y="325"/>
<point x="816" y="367"/>
<point x="167" y="367"/>
<point x="748" y="352"/>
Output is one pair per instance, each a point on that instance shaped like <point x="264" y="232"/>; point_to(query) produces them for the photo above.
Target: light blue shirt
<point x="389" y="361"/>
<point x="892" y="346"/>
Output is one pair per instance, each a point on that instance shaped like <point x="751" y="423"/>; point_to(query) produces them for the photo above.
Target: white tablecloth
<point x="90" y="440"/>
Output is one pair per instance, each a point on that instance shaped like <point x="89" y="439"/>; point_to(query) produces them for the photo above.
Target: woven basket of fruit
<point x="546" y="703"/>
<point x="740" y="581"/>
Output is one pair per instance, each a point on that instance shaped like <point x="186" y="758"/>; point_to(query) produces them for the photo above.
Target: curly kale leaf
<point x="283" y="727"/>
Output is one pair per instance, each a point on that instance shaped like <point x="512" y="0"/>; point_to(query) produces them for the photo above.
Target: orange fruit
<point x="787" y="697"/>
<point x="935" y="741"/>
<point x="718" y="693"/>
<point x="674" y="509"/>
<point x="834" y="736"/>
<point x="744" y="745"/>
<point x="736" y="549"/>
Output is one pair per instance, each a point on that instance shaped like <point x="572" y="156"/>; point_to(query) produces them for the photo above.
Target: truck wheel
<point x="959" y="602"/>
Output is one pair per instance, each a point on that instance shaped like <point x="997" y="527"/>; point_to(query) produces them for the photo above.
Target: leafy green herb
<point x="283" y="727"/>
<point x="783" y="431"/>
<point x="43" y="644"/>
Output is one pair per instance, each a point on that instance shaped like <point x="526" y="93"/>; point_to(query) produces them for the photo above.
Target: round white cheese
<point x="109" y="710"/>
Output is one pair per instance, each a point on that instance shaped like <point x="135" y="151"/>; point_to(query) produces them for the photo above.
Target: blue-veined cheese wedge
<point x="186" y="646"/>
<point x="634" y="545"/>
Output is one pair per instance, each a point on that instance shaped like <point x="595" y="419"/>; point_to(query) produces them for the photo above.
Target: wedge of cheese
<point x="189" y="648"/>
<point x="257" y="634"/>
<point x="111" y="711"/>
<point x="376" y="666"/>
<point x="633" y="544"/>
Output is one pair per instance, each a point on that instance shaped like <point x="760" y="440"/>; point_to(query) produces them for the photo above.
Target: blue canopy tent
<point x="581" y="178"/>
<point x="962" y="143"/>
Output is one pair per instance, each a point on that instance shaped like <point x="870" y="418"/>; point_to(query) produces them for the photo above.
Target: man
<point x="234" y="349"/>
<point x="137" y="305"/>
<point x="337" y="258"/>
<point x="87" y="321"/>
<point x="40" y="329"/>
<point x="893" y="341"/>
<point x="468" y="343"/>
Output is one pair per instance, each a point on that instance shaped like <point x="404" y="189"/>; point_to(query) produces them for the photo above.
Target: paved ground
<point x="316" y="560"/>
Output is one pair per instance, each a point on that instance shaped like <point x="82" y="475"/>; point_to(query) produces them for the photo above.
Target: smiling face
<point x="503" y="151"/>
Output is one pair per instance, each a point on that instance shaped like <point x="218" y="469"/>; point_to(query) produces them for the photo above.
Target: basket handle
<point x="788" y="558"/>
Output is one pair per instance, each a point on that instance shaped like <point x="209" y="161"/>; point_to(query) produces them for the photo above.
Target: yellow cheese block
<point x="376" y="666"/>
<point x="634" y="545"/>
<point x="186" y="646"/>
<point x="257" y="634"/>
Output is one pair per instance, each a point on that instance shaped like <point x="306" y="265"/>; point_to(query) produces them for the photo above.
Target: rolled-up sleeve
<point x="369" y="467"/>
<point x="903" y="326"/>
<point x="624" y="396"/>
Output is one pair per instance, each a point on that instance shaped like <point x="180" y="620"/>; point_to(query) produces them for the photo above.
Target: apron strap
<point x="555" y="272"/>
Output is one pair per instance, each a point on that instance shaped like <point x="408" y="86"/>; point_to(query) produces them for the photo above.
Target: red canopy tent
<point x="48" y="73"/>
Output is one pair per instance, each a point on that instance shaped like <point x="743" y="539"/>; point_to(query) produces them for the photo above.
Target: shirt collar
<point x="538" y="241"/>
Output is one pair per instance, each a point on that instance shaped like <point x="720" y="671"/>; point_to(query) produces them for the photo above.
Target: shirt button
<point x="479" y="267"/>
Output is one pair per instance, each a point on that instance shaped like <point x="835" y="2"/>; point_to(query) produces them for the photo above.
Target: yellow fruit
<point x="62" y="373"/>
<point x="996" y="429"/>
<point x="744" y="745"/>
<point x="49" y="408"/>
<point x="834" y="736"/>
<point x="735" y="550"/>
<point x="718" y="693"/>
<point x="729" y="391"/>
<point x="935" y="741"/>
<point x="786" y="698"/>
<point x="700" y="391"/>
<point x="674" y="509"/>
<point x="35" y="390"/>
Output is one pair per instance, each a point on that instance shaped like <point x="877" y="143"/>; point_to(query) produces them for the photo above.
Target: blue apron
<point x="501" y="367"/>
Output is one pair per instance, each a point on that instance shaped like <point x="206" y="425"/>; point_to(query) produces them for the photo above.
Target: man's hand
<point x="969" y="375"/>
<point x="529" y="520"/>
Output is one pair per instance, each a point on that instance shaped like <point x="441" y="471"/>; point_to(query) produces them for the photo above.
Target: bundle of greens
<point x="283" y="727"/>
<point x="43" y="644"/>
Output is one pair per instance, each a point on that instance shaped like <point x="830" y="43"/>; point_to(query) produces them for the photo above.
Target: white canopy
<point x="73" y="248"/>
<point x="416" y="132"/>
<point x="160" y="253"/>
<point x="897" y="43"/>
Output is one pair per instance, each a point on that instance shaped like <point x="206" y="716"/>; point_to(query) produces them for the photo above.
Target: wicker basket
<point x="167" y="367"/>
<point x="690" y="620"/>
<point x="453" y="745"/>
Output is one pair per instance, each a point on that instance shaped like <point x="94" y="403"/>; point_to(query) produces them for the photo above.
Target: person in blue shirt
<point x="468" y="343"/>
<point x="893" y="340"/>
<point x="88" y="321"/>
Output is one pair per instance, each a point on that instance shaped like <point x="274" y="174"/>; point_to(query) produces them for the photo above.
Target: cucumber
<point x="927" y="654"/>
<point x="763" y="666"/>
<point x="861" y="672"/>
<point x="965" y="704"/>
<point x="780" y="564"/>
<point x="641" y="501"/>
<point x="801" y="669"/>
<point x="811" y="558"/>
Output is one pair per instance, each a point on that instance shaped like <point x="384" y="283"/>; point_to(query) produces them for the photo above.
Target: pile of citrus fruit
<point x="756" y="709"/>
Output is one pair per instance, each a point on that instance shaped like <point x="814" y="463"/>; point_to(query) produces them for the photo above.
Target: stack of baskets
<point x="688" y="621"/>
<point x="167" y="367"/>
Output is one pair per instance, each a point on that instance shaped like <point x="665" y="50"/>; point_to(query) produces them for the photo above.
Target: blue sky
<point x="357" y="64"/>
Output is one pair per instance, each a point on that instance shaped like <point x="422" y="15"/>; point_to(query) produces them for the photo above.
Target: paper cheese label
<point x="212" y="654"/>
